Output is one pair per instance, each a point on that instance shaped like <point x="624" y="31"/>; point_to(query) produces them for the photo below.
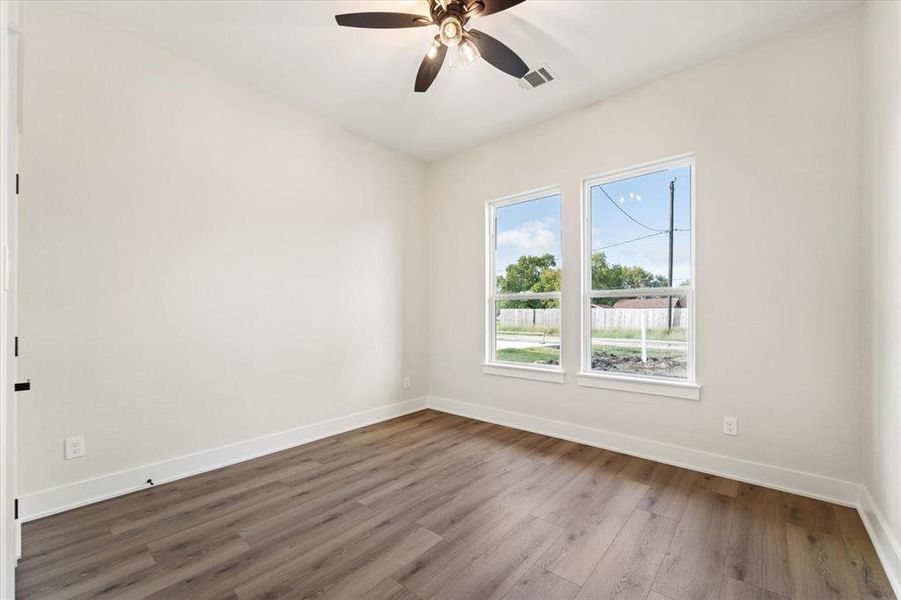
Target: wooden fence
<point x="601" y="318"/>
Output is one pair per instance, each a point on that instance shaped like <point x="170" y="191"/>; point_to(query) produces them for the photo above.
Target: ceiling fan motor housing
<point x="451" y="16"/>
<point x="451" y="30"/>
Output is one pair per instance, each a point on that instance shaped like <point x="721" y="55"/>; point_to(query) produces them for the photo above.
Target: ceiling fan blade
<point x="382" y="20"/>
<point x="497" y="54"/>
<point x="496" y="6"/>
<point x="429" y="68"/>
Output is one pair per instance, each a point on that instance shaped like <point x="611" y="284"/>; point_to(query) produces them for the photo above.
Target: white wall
<point x="882" y="185"/>
<point x="776" y="131"/>
<point x="201" y="264"/>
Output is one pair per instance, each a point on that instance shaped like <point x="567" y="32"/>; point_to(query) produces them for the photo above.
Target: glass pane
<point x="640" y="336"/>
<point x="630" y="231"/>
<point x="527" y="246"/>
<point x="528" y="331"/>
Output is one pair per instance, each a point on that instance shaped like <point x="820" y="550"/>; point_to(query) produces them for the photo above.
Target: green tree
<point x="530" y="274"/>
<point x="541" y="274"/>
<point x="610" y="276"/>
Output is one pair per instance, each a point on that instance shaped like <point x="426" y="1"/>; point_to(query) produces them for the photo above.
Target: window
<point x="638" y="279"/>
<point x="523" y="299"/>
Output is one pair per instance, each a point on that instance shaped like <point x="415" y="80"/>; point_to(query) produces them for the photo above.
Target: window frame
<point x="492" y="366"/>
<point x="687" y="388"/>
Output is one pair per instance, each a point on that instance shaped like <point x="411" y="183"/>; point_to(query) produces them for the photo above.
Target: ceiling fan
<point x="451" y="17"/>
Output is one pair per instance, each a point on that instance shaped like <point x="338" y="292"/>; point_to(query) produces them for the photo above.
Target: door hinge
<point x="17" y="184"/>
<point x="16" y="347"/>
<point x="16" y="509"/>
<point x="22" y="387"/>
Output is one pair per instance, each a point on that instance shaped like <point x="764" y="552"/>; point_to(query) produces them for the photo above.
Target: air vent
<point x="539" y="76"/>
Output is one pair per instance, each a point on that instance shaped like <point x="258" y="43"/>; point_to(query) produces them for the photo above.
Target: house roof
<point x="646" y="303"/>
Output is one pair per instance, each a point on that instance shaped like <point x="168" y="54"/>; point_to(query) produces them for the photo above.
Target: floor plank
<point x="463" y="543"/>
<point x="758" y="548"/>
<point x="497" y="569"/>
<point x="696" y="557"/>
<point x="822" y="567"/>
<point x="670" y="489"/>
<point x="591" y="510"/>
<point x="391" y="590"/>
<point x="739" y="590"/>
<point x="540" y="584"/>
<point x="868" y="572"/>
<point x="628" y="568"/>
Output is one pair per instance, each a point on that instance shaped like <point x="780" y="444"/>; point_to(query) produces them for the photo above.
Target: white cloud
<point x="529" y="237"/>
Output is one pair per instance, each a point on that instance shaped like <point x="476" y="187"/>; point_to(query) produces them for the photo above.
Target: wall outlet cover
<point x="730" y="425"/>
<point x="75" y="447"/>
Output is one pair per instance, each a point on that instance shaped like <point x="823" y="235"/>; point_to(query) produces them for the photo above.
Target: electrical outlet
<point x="75" y="447"/>
<point x="730" y="425"/>
<point x="407" y="382"/>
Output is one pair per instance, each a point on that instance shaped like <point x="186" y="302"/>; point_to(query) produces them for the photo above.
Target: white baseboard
<point x="885" y="542"/>
<point x="50" y="501"/>
<point x="797" y="482"/>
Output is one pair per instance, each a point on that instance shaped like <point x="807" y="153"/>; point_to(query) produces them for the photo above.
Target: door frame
<point x="12" y="43"/>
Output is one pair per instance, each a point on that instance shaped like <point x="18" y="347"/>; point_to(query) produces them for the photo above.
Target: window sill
<point x="523" y="372"/>
<point x="656" y="387"/>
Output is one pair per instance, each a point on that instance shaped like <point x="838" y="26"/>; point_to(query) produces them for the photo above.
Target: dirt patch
<point x="549" y="361"/>
<point x="661" y="366"/>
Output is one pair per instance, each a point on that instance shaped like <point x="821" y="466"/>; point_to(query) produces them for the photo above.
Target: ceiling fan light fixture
<point x="433" y="49"/>
<point x="469" y="54"/>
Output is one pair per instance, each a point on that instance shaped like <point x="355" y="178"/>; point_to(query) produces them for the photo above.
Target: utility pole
<point x="669" y="300"/>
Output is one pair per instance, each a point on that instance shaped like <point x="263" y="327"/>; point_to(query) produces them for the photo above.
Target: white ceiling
<point x="363" y="79"/>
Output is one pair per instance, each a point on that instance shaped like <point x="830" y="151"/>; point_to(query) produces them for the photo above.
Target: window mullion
<point x="630" y="292"/>
<point x="527" y="296"/>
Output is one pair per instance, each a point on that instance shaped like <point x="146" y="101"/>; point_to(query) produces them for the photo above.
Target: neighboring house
<point x="645" y="303"/>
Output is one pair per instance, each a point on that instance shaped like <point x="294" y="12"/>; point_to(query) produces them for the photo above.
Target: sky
<point x="528" y="228"/>
<point x="533" y="228"/>
<point x="646" y="200"/>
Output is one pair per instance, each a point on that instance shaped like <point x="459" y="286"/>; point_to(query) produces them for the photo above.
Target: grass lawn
<point x="676" y="335"/>
<point x="527" y="329"/>
<point x="539" y="354"/>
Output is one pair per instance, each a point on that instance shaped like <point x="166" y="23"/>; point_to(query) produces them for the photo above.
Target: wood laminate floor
<point x="435" y="506"/>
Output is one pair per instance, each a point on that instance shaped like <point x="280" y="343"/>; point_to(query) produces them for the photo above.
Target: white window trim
<point x="505" y="369"/>
<point x="688" y="388"/>
<point x="641" y="385"/>
<point x="492" y="366"/>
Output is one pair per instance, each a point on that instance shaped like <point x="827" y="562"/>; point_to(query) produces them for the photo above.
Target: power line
<point x="644" y="237"/>
<point x="631" y="218"/>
